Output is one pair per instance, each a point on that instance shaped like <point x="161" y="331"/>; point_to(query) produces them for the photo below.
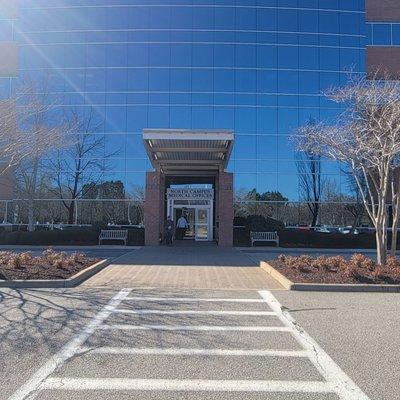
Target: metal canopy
<point x="188" y="152"/>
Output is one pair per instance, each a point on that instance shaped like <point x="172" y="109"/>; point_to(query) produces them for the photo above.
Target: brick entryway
<point x="196" y="266"/>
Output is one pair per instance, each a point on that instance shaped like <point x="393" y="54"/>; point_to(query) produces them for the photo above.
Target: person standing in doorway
<point x="181" y="227"/>
<point x="169" y="231"/>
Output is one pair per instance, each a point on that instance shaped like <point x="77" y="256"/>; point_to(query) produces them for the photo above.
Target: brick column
<point x="154" y="207"/>
<point x="225" y="209"/>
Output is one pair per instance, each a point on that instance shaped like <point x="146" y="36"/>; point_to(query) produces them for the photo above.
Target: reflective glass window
<point x="396" y="34"/>
<point x="382" y="34"/>
<point x="137" y="117"/>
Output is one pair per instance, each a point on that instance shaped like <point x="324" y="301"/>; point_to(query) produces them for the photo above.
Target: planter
<point x="74" y="281"/>
<point x="326" y="287"/>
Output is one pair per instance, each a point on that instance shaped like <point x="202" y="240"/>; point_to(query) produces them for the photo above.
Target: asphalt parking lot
<point x="173" y="344"/>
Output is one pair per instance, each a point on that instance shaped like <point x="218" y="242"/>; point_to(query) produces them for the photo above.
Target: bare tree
<point x="395" y="201"/>
<point x="81" y="164"/>
<point x="26" y="132"/>
<point x="311" y="183"/>
<point x="269" y="204"/>
<point x="354" y="204"/>
<point x="367" y="138"/>
<point x="333" y="204"/>
<point x="135" y="207"/>
<point x="36" y="134"/>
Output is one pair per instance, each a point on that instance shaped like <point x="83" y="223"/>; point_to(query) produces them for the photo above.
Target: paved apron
<point x="185" y="267"/>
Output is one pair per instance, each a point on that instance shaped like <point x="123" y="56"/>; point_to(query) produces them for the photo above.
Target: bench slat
<point x="113" y="234"/>
<point x="264" y="237"/>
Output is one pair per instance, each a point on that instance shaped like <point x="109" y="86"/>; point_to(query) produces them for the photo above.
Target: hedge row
<point x="301" y="238"/>
<point x="296" y="237"/>
<point x="72" y="236"/>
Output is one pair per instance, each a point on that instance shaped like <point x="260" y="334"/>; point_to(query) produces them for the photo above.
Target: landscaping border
<point x="326" y="287"/>
<point x="71" y="282"/>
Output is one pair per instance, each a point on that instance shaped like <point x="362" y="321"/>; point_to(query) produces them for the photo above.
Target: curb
<point x="326" y="287"/>
<point x="285" y="282"/>
<point x="74" y="281"/>
<point x="260" y="249"/>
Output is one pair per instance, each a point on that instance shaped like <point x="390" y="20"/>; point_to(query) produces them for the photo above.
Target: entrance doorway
<point x="189" y="215"/>
<point x="199" y="223"/>
<point x="197" y="206"/>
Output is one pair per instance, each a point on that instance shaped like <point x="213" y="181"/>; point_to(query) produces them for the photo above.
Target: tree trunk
<point x="356" y="221"/>
<point x="379" y="247"/>
<point x="393" y="246"/>
<point x="395" y="225"/>
<point x="31" y="217"/>
<point x="315" y="216"/>
<point x="71" y="213"/>
<point x="381" y="239"/>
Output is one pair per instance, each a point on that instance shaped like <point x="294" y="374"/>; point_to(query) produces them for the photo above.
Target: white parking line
<point x="345" y="387"/>
<point x="69" y="350"/>
<point x="195" y="312"/>
<point x="194" y="352"/>
<point x="189" y="385"/>
<point x="194" y="300"/>
<point x="195" y="328"/>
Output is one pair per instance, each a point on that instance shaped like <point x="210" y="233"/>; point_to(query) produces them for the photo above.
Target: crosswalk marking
<point x="195" y="312"/>
<point x="193" y="352"/>
<point x="189" y="385"/>
<point x="345" y="387"/>
<point x="334" y="380"/>
<point x="69" y="350"/>
<point x="195" y="328"/>
<point x="194" y="300"/>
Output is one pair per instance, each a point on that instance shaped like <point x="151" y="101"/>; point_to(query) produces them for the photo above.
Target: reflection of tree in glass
<point x="267" y="204"/>
<point x="27" y="143"/>
<point x="135" y="205"/>
<point x="108" y="205"/>
<point x="83" y="163"/>
<point x="311" y="183"/>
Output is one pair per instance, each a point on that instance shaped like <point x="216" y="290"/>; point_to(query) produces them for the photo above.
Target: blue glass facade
<point x="7" y="29"/>
<point x="257" y="67"/>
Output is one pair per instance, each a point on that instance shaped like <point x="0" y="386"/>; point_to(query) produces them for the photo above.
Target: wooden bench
<point x="264" y="237"/>
<point x="113" y="234"/>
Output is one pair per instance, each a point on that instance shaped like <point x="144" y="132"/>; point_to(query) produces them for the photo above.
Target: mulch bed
<point x="316" y="276"/>
<point x="324" y="276"/>
<point x="44" y="270"/>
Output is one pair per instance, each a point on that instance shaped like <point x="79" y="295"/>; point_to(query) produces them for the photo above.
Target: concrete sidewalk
<point x="185" y="267"/>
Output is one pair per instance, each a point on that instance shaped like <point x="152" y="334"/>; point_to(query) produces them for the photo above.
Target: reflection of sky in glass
<point x="383" y="34"/>
<point x="6" y="35"/>
<point x="258" y="69"/>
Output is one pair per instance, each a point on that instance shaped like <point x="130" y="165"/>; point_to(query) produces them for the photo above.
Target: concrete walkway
<point x="198" y="266"/>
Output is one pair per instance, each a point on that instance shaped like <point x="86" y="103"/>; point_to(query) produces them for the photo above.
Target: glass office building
<point x="254" y="67"/>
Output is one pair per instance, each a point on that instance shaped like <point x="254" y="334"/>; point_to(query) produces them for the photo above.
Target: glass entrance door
<point x="202" y="224"/>
<point x="190" y="218"/>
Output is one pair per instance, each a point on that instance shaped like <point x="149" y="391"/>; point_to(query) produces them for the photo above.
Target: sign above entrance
<point x="189" y="194"/>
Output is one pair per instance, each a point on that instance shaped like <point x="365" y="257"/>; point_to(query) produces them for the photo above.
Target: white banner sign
<point x="175" y="194"/>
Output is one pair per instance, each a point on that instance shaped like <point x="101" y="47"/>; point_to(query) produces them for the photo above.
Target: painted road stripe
<point x="188" y="385"/>
<point x="195" y="312"/>
<point x="191" y="299"/>
<point x="346" y="389"/>
<point x="194" y="352"/>
<point x="69" y="350"/>
<point x="195" y="328"/>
